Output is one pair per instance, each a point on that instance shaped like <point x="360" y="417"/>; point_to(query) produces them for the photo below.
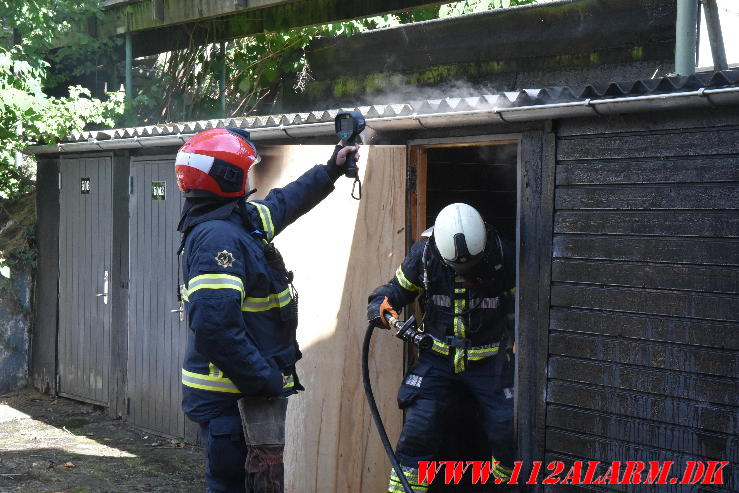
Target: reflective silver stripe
<point x="441" y="300"/>
<point x="262" y="304"/>
<point x="208" y="382"/>
<point x="266" y="215"/>
<point x="485" y="302"/>
<point x="198" y="161"/>
<point x="215" y="281"/>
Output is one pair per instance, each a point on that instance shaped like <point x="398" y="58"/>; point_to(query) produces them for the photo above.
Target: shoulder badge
<point x="225" y="258"/>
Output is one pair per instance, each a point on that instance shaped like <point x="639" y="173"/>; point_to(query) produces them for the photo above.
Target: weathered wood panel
<point x="716" y="119"/>
<point x="44" y="334"/>
<point x="647" y="327"/>
<point x="715" y="279"/>
<point x="649" y="354"/>
<point x="638" y="145"/>
<point x="535" y="187"/>
<point x="649" y="249"/>
<point x="644" y="327"/>
<point x="331" y="441"/>
<point x="701" y="169"/>
<point x="649" y="197"/>
<point x="694" y="442"/>
<point x="653" y="302"/>
<point x="654" y="407"/>
<point x="608" y="450"/>
<point x="687" y="385"/>
<point x="713" y="224"/>
<point x="569" y="459"/>
<point x="119" y="290"/>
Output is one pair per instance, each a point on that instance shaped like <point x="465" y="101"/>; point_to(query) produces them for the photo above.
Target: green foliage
<point x="469" y="6"/>
<point x="185" y="84"/>
<point x="28" y="115"/>
<point x="17" y="234"/>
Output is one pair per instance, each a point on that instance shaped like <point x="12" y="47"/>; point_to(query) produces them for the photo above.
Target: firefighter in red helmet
<point x="239" y="365"/>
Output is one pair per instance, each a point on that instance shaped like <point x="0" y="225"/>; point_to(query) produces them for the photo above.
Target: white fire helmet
<point x="460" y="236"/>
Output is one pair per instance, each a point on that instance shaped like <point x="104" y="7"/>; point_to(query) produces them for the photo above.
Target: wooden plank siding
<point x="643" y="351"/>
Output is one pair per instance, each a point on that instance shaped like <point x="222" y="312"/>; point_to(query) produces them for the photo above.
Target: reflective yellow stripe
<point x="481" y="353"/>
<point x="500" y="471"/>
<point x="459" y="328"/>
<point x="266" y="215"/>
<point x="440" y="347"/>
<point x="278" y="300"/>
<point x="412" y="476"/>
<point x="288" y="382"/>
<point x="404" y="282"/>
<point x="213" y="281"/>
<point x="509" y="292"/>
<point x="208" y="382"/>
<point x="459" y="365"/>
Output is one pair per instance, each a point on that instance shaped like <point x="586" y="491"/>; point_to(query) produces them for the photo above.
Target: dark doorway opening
<point x="485" y="176"/>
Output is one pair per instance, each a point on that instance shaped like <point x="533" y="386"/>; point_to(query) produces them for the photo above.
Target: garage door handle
<point x="181" y="311"/>
<point x="104" y="294"/>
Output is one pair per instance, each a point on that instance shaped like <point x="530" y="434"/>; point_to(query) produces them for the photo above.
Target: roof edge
<point x="700" y="98"/>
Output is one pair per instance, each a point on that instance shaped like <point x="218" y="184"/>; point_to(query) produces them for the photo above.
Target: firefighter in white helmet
<point x="464" y="275"/>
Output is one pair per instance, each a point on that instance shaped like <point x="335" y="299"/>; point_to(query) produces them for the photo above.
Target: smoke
<point x="398" y="88"/>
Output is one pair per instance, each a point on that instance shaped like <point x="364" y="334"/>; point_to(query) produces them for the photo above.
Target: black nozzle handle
<point x="426" y="342"/>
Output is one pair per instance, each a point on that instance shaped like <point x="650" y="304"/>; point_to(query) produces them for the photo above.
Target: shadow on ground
<point x="59" y="445"/>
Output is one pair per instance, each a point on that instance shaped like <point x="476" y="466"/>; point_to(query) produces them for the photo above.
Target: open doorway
<point x="483" y="174"/>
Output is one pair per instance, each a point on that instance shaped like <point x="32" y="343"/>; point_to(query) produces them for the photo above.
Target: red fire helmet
<point x="216" y="162"/>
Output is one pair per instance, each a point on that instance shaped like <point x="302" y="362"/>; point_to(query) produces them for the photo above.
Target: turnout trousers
<point x="428" y="395"/>
<point x="225" y="453"/>
<point x="263" y="420"/>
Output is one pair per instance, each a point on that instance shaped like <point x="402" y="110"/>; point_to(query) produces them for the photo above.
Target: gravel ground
<point x="60" y="445"/>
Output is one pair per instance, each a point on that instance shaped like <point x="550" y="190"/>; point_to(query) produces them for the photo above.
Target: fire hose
<point x="408" y="332"/>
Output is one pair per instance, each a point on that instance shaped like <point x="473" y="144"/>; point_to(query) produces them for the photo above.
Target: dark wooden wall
<point x="644" y="322"/>
<point x="43" y="338"/>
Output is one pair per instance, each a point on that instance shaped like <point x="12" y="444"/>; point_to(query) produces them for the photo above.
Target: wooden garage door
<point x="85" y="248"/>
<point x="156" y="335"/>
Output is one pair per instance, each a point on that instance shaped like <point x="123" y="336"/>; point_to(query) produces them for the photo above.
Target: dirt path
<point x="59" y="445"/>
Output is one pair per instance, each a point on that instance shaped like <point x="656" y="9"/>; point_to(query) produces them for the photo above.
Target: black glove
<point x="334" y="170"/>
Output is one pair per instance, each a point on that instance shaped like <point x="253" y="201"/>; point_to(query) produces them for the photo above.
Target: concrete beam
<point x="163" y="25"/>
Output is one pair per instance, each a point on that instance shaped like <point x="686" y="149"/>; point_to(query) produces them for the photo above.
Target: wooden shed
<point x="622" y="202"/>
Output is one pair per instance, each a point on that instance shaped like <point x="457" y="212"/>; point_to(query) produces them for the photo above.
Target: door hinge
<point x="410" y="178"/>
<point x="128" y="406"/>
<point x="130" y="185"/>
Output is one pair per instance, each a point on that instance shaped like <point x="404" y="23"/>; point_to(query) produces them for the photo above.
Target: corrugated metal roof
<point x="529" y="98"/>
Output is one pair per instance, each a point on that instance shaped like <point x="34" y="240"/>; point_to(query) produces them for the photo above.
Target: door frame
<point x="534" y="223"/>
